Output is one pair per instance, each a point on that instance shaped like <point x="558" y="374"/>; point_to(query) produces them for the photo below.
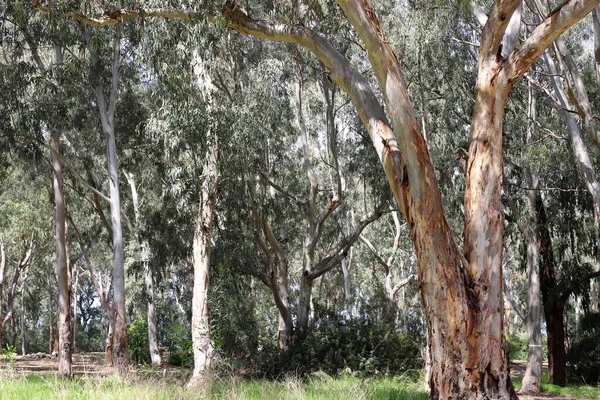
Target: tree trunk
<point x="152" y="331"/>
<point x="533" y="373"/>
<point x="120" y="350"/>
<point x="108" y="328"/>
<point x="144" y="252"/>
<point x="22" y="324"/>
<point x="2" y="275"/>
<point x="462" y="297"/>
<point x="64" y="295"/>
<point x="554" y="303"/>
<point x="64" y="289"/>
<point x="202" y="342"/>
<point x="75" y="310"/>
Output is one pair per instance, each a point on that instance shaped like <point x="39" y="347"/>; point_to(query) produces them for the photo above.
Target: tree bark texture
<point x="202" y="342"/>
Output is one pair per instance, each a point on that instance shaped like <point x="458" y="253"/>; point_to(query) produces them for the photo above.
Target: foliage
<point x="584" y="355"/>
<point x="517" y="346"/>
<point x="137" y="335"/>
<point x="9" y="353"/>
<point x="359" y="345"/>
<point x="180" y="344"/>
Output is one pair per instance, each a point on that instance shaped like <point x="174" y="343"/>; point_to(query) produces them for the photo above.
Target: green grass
<point x="573" y="391"/>
<point x="319" y="386"/>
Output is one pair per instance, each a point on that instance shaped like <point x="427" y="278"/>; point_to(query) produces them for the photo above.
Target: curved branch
<point x="557" y="22"/>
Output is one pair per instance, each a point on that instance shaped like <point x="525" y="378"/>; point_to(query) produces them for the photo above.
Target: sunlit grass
<point x="318" y="386"/>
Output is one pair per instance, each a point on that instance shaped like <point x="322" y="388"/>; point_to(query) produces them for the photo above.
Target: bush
<point x="518" y="346"/>
<point x="181" y="351"/>
<point x="584" y="356"/>
<point x="336" y="345"/>
<point x="137" y="335"/>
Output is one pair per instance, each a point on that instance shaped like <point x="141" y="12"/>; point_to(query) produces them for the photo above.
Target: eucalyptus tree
<point x="472" y="281"/>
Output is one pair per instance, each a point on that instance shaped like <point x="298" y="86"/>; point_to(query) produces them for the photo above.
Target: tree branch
<point x="557" y="22"/>
<point x="339" y="252"/>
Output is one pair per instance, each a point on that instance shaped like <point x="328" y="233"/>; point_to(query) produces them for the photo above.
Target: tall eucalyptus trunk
<point x="461" y="290"/>
<point x="64" y="290"/>
<point x="120" y="348"/>
<point x="462" y="294"/>
<point x="202" y="245"/>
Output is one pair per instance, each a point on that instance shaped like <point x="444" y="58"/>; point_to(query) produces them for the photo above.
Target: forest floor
<point x="36" y="374"/>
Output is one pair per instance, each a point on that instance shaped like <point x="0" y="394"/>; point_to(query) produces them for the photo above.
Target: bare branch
<point x="339" y="252"/>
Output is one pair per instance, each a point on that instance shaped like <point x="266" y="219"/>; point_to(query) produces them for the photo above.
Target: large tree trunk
<point x="202" y="342"/>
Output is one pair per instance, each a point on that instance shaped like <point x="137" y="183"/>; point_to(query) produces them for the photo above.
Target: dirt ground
<point x="83" y="364"/>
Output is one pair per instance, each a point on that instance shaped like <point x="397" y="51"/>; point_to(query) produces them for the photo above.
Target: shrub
<point x="584" y="355"/>
<point x="137" y="335"/>
<point x="518" y="346"/>
<point x="180" y="344"/>
<point x="359" y="345"/>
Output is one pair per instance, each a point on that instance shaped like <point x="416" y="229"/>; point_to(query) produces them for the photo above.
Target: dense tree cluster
<point x="198" y="185"/>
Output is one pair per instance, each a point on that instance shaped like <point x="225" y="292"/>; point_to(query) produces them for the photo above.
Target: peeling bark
<point x="202" y="245"/>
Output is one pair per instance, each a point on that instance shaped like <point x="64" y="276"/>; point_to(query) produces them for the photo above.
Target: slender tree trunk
<point x="23" y="314"/>
<point x="75" y="309"/>
<point x="202" y="342"/>
<point x="120" y="348"/>
<point x="64" y="290"/>
<point x="554" y="304"/>
<point x="108" y="328"/>
<point x="533" y="373"/>
<point x="148" y="280"/>
<point x="2" y="275"/>
<point x="152" y="330"/>
<point x="50" y="326"/>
